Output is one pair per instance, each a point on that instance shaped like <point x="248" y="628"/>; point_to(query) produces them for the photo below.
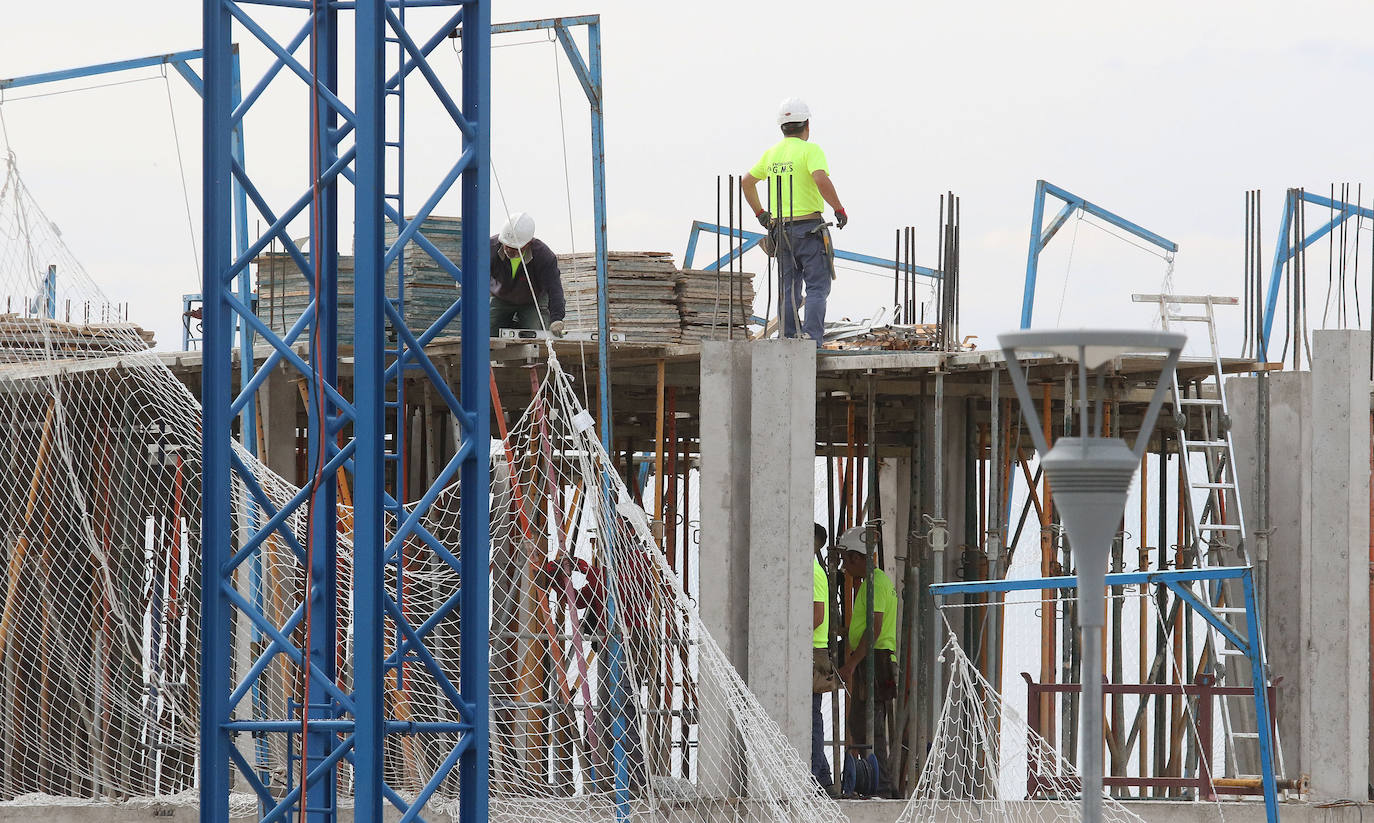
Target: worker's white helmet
<point x="793" y="110"/>
<point x="518" y="231"/>
<point x="854" y="540"/>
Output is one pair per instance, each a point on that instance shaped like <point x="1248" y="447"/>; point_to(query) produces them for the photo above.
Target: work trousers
<point x="884" y="671"/>
<point x="804" y="261"/>
<point x="507" y="315"/>
<point x="820" y="767"/>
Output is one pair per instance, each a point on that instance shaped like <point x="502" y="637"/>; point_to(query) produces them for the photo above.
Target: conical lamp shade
<point x="1091" y="478"/>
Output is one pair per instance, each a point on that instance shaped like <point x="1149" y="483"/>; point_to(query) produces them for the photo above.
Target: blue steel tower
<point x="346" y="417"/>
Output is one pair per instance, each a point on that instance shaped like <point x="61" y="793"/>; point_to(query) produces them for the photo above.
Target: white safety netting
<point x="986" y="765"/>
<point x="609" y="700"/>
<point x="99" y="534"/>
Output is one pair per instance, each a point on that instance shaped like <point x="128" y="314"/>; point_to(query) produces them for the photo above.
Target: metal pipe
<point x="937" y="541"/>
<point x="993" y="545"/>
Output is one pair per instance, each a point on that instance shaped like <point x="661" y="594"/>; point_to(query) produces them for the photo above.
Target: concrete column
<point x="782" y="471"/>
<point x="725" y="462"/>
<point x="279" y="404"/>
<point x="1335" y="571"/>
<point x="894" y="479"/>
<point x="1278" y="572"/>
<point x="724" y="554"/>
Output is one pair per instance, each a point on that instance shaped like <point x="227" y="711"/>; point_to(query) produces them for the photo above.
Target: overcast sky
<point x="1165" y="113"/>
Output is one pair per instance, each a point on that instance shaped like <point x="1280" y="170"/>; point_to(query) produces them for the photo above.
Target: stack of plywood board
<point x="430" y="289"/>
<point x="704" y="299"/>
<point x="284" y="291"/>
<point x="641" y="290"/>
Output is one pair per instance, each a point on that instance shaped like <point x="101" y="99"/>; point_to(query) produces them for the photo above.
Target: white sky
<point x="1165" y="113"/>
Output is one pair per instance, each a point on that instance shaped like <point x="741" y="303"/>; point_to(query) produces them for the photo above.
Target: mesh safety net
<point x="986" y="764"/>
<point x="609" y="700"/>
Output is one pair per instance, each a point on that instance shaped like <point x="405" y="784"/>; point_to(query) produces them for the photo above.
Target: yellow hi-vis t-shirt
<point x="820" y="593"/>
<point x="791" y="163"/>
<point x="885" y="604"/>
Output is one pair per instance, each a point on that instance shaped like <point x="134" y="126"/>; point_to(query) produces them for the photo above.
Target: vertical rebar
<point x="738" y="282"/>
<point x="715" y="314"/>
<point x="896" y="269"/>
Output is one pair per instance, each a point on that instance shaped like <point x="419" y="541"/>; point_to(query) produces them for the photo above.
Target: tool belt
<point x="823" y="677"/>
<point x="774" y="237"/>
<point x="884" y="677"/>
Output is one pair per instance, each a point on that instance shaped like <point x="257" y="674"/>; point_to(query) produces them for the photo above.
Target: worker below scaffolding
<point x="880" y="642"/>
<point x="526" y="285"/>
<point x="822" y="668"/>
<point x="799" y="186"/>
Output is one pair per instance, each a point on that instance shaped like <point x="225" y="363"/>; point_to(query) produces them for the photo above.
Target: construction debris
<point x="880" y="334"/>
<point x="43" y="337"/>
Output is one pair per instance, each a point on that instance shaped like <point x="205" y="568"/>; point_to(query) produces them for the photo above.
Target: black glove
<point x="765" y="219"/>
<point x="841" y="219"/>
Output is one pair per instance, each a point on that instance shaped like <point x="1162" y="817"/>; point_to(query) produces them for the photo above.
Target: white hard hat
<point x="793" y="110"/>
<point x="518" y="231"/>
<point x="853" y="540"/>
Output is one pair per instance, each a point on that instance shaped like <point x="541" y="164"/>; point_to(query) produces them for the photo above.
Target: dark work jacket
<point x="543" y="276"/>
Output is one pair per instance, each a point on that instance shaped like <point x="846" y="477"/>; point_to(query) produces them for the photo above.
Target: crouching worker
<point x="526" y="285"/>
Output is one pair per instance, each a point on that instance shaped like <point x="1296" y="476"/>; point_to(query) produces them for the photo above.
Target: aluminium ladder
<point x="1218" y="524"/>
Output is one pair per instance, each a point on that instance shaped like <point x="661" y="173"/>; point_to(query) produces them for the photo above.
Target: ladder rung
<point x="1214" y="485"/>
<point x="1230" y="653"/>
<point x="1206" y="444"/>
<point x="1229" y="609"/>
<point x="1189" y="318"/>
<point x="1218" y="527"/>
<point x="1251" y="735"/>
<point x="1199" y="401"/>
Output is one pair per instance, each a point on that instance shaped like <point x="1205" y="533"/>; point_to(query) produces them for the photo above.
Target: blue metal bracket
<point x="588" y="71"/>
<point x="1177" y="581"/>
<point x="750" y="239"/>
<point x="1285" y="249"/>
<point x="1040" y="234"/>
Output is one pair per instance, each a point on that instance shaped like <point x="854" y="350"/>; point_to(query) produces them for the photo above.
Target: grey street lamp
<point x="1091" y="475"/>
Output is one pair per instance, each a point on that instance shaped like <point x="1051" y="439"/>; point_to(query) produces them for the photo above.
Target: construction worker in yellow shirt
<point x="880" y="642"/>
<point x="799" y="186"/>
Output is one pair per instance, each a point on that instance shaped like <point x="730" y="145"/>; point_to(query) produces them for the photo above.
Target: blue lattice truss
<point x="1180" y="582"/>
<point x="350" y="433"/>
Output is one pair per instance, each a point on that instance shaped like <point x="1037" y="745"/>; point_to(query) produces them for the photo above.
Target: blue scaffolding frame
<point x="1179" y="582"/>
<point x="1040" y="234"/>
<point x="750" y="239"/>
<point x="1285" y="249"/>
<point x="344" y="432"/>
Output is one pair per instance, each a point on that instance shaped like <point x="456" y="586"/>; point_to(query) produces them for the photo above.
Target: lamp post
<point x="1091" y="475"/>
